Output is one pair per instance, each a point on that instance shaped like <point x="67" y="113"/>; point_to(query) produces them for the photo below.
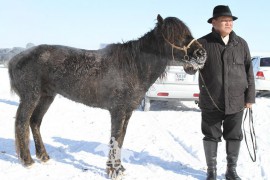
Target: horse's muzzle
<point x="198" y="59"/>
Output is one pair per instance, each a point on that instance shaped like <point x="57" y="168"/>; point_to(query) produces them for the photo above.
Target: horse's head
<point x="179" y="42"/>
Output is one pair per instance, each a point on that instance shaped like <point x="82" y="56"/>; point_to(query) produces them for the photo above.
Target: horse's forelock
<point x="174" y="28"/>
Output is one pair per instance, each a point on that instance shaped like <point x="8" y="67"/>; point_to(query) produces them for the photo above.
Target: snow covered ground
<point x="164" y="143"/>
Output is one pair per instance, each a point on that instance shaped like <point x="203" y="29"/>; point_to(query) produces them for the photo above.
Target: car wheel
<point x="145" y="104"/>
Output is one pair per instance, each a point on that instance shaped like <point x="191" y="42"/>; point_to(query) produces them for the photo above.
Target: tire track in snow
<point x="187" y="149"/>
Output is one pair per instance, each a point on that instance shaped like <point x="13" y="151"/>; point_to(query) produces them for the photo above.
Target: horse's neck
<point x="142" y="58"/>
<point x="151" y="61"/>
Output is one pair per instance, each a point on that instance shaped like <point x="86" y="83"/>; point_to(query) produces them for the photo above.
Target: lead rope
<point x="209" y="93"/>
<point x="252" y="134"/>
<point x="251" y="126"/>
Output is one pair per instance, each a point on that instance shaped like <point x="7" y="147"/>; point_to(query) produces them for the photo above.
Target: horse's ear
<point x="160" y="19"/>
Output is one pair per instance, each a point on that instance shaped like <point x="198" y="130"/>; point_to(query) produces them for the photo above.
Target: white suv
<point x="261" y="69"/>
<point x="175" y="86"/>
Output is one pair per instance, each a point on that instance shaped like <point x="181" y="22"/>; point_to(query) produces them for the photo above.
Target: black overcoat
<point x="227" y="74"/>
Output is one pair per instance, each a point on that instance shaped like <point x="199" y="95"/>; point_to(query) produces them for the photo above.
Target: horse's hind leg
<point x="24" y="112"/>
<point x="35" y="122"/>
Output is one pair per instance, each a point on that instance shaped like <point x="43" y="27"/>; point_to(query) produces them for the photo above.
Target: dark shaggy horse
<point x="114" y="78"/>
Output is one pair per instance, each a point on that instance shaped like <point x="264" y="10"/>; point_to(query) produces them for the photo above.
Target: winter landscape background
<point x="164" y="143"/>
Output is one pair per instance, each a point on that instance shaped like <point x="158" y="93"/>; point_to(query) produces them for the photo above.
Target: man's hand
<point x="249" y="105"/>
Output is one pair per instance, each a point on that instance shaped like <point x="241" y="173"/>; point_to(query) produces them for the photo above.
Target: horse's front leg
<point x="114" y="166"/>
<point x="124" y="129"/>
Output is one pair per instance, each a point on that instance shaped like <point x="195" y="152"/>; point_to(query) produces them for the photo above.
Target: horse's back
<point x="26" y="68"/>
<point x="44" y="56"/>
<point x="57" y="69"/>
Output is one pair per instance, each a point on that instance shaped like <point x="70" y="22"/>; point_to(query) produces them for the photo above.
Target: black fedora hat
<point x="221" y="10"/>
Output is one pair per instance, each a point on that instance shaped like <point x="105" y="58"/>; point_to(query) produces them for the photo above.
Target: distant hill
<point x="260" y="53"/>
<point x="7" y="53"/>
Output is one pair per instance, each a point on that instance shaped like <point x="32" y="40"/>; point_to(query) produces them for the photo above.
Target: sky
<point x="88" y="24"/>
<point x="164" y="143"/>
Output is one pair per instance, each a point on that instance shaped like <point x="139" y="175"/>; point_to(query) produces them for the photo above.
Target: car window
<point x="265" y="62"/>
<point x="254" y="61"/>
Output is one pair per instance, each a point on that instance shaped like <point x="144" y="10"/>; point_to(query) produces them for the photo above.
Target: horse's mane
<point x="174" y="26"/>
<point x="126" y="54"/>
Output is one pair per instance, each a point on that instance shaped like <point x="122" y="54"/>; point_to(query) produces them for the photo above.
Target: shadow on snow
<point x="64" y="154"/>
<point x="128" y="156"/>
<point x="13" y="103"/>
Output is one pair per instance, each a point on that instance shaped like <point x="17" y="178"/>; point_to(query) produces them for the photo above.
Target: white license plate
<point x="180" y="76"/>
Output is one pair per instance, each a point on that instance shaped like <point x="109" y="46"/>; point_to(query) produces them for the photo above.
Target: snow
<point x="164" y="143"/>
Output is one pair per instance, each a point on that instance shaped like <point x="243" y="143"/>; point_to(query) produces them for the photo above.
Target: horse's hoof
<point x="43" y="158"/>
<point x="122" y="168"/>
<point x="29" y="164"/>
<point x="115" y="174"/>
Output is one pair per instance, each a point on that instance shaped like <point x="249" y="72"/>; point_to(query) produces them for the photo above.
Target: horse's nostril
<point x="201" y="52"/>
<point x="198" y="53"/>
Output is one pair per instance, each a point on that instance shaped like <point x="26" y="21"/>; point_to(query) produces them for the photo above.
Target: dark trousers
<point x="212" y="123"/>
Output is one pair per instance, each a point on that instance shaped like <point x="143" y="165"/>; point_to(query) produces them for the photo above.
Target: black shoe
<point x="231" y="174"/>
<point x="232" y="150"/>
<point x="211" y="174"/>
<point x="210" y="150"/>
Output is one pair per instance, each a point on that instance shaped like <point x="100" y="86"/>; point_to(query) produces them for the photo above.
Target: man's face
<point x="223" y="25"/>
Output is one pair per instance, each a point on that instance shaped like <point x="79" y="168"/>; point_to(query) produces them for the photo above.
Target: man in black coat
<point x="226" y="87"/>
